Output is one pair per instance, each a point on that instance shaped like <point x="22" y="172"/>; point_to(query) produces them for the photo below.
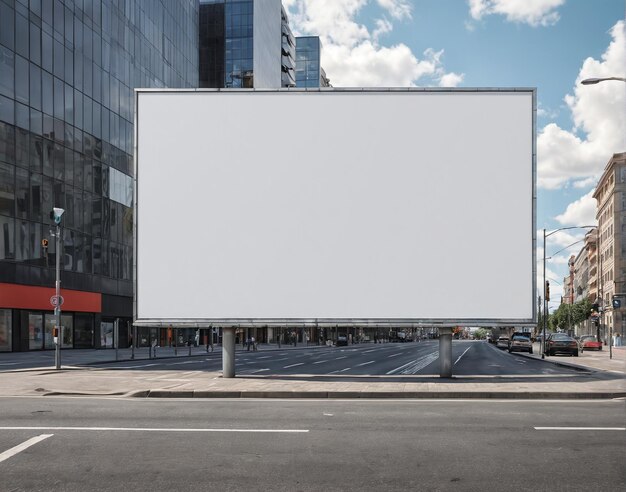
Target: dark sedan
<point x="560" y="343"/>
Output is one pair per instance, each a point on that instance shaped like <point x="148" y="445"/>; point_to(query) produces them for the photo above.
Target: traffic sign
<point x="56" y="301"/>
<point x="617" y="303"/>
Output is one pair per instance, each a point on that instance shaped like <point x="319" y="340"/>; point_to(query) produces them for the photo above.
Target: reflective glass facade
<point x="67" y="73"/>
<point x="245" y="43"/>
<point x="309" y="72"/>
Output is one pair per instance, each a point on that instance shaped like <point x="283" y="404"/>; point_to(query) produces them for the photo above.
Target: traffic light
<point x="56" y="214"/>
<point x="547" y="290"/>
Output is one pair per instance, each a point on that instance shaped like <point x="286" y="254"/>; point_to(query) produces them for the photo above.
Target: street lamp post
<point x="56" y="215"/>
<point x="545" y="311"/>
<point x="593" y="80"/>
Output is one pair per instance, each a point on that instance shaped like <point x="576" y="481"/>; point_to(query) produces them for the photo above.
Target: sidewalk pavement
<point x="590" y="360"/>
<point x="122" y="381"/>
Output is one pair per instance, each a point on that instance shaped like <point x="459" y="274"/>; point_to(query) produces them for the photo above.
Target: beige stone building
<point x="611" y="214"/>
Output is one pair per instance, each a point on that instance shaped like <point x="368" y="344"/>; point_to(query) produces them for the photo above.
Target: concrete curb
<point x="370" y="395"/>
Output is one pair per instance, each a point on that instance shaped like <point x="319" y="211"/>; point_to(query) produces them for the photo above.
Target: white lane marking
<point x="414" y="366"/>
<point x="148" y="429"/>
<point x="21" y="447"/>
<point x="265" y="357"/>
<point x="186" y="362"/>
<point x="365" y="363"/>
<point x="394" y="355"/>
<point x="461" y="355"/>
<point x="341" y="370"/>
<point x="342" y="357"/>
<point x="9" y="364"/>
<point x="582" y="428"/>
<point x="320" y="361"/>
<point x="294" y="365"/>
<point x="259" y="370"/>
<point x="366" y="351"/>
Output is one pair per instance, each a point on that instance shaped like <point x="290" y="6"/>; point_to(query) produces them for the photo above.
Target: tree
<point x="481" y="334"/>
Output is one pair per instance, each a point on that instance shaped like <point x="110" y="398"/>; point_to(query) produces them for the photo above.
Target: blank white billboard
<point x="335" y="206"/>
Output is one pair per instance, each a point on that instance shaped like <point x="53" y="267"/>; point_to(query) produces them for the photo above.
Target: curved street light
<point x="594" y="80"/>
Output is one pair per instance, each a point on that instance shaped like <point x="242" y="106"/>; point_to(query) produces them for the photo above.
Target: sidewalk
<point x="145" y="381"/>
<point x="591" y="360"/>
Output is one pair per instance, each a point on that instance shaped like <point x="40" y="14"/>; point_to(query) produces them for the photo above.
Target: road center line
<point x="342" y="357"/>
<point x="462" y="355"/>
<point x="365" y="363"/>
<point x="21" y="447"/>
<point x="294" y="365"/>
<point x="394" y="355"/>
<point x="582" y="428"/>
<point x="366" y="351"/>
<point x="320" y="361"/>
<point x="137" y="429"/>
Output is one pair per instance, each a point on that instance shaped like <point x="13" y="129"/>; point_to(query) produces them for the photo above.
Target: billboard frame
<point x="340" y="322"/>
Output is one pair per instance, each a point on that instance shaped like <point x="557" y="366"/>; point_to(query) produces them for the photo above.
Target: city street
<point x="418" y="358"/>
<point x="77" y="444"/>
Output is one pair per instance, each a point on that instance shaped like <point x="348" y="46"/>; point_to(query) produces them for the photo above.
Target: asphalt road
<point x="392" y="359"/>
<point x="81" y="444"/>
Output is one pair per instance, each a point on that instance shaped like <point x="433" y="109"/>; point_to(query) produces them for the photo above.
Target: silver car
<point x="521" y="344"/>
<point x="503" y="342"/>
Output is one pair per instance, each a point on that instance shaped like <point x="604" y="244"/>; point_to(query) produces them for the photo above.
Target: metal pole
<point x="57" y="351"/>
<point x="133" y="342"/>
<point x="228" y="352"/>
<point x="175" y="341"/>
<point x="445" y="352"/>
<point x="545" y="309"/>
<point x="116" y="338"/>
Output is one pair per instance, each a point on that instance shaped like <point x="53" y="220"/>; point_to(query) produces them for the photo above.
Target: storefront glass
<point x="106" y="334"/>
<point x="83" y="331"/>
<point x="5" y="330"/>
<point x="35" y="331"/>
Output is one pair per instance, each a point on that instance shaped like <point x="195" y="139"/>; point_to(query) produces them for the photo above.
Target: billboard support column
<point x="445" y="352"/>
<point x="228" y="352"/>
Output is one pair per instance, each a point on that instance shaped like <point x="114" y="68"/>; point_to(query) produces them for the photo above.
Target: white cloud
<point x="383" y="26"/>
<point x="532" y="12"/>
<point x="352" y="56"/>
<point x="598" y="112"/>
<point x="451" y="79"/>
<point x="398" y="9"/>
<point x="580" y="212"/>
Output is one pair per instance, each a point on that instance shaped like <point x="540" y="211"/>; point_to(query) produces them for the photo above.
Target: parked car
<point x="560" y="343"/>
<point x="521" y="344"/>
<point x="590" y="342"/>
<point x="503" y="342"/>
<point x="342" y="340"/>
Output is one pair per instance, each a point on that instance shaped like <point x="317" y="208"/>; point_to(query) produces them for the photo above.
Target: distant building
<point x="611" y="214"/>
<point x="568" y="282"/>
<point x="245" y="44"/>
<point x="309" y="71"/>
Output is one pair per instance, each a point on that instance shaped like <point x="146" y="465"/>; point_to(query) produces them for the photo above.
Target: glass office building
<point x="67" y="73"/>
<point x="244" y="44"/>
<point x="309" y="71"/>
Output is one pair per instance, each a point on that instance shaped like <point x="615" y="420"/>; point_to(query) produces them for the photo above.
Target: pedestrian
<point x="253" y="341"/>
<point x="618" y="340"/>
<point x="248" y="343"/>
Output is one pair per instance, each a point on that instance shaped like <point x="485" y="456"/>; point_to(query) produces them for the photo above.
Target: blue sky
<point x="547" y="44"/>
